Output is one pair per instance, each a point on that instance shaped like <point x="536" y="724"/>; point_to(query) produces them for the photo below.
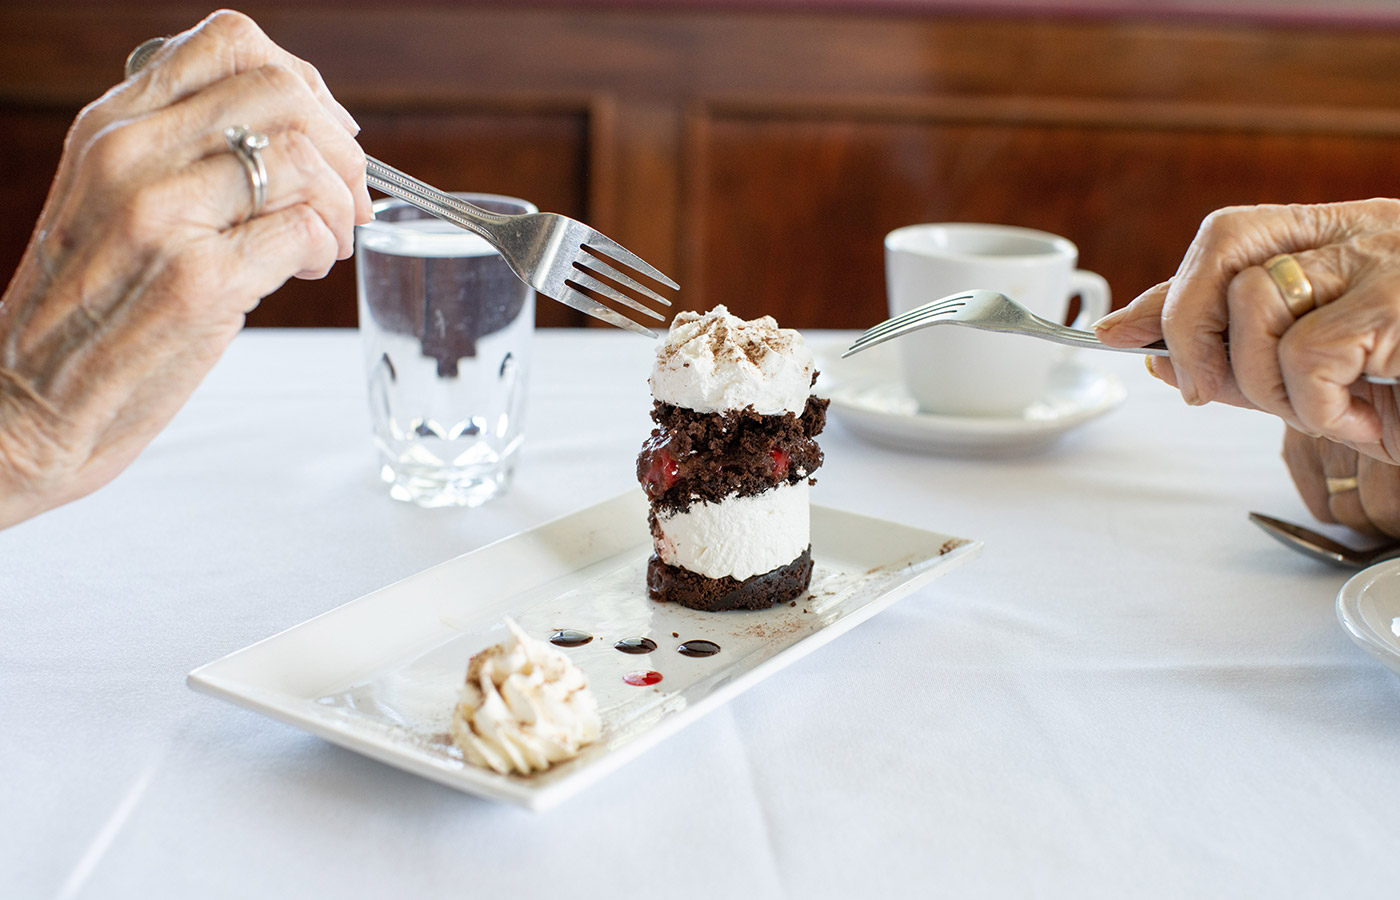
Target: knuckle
<point x="279" y="79"/>
<point x="308" y="72"/>
<point x="91" y="119"/>
<point x="185" y="277"/>
<point x="300" y="152"/>
<point x="1299" y="355"/>
<point x="144" y="216"/>
<point x="1380" y="498"/>
<point x="233" y="27"/>
<point x="1376" y="211"/>
<point x="1246" y="291"/>
<point x="1226" y="219"/>
<point x="113" y="151"/>
<point x="313" y="235"/>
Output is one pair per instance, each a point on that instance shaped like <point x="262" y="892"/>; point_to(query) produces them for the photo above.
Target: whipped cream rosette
<point x="524" y="707"/>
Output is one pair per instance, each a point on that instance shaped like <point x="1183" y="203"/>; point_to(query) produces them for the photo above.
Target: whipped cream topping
<point x="717" y="361"/>
<point x="524" y="707"/>
<point x="738" y="536"/>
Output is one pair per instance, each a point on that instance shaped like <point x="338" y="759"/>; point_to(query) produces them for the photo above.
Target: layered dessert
<point x="728" y="465"/>
<point x="525" y="706"/>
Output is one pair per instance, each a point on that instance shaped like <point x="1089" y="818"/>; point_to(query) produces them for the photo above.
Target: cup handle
<point x="1095" y="299"/>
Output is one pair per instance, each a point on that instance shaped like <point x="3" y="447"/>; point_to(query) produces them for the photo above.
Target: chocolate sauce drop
<point x="698" y="648"/>
<point x="568" y="637"/>
<point x="641" y="679"/>
<point x="636" y="645"/>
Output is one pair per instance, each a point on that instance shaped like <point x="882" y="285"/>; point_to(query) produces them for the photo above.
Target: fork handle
<point x="386" y="178"/>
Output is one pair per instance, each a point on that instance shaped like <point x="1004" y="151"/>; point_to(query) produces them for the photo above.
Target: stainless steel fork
<point x="989" y="311"/>
<point x="557" y="256"/>
<point x="993" y="311"/>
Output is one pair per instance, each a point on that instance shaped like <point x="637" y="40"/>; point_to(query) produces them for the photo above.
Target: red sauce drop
<point x="642" y="679"/>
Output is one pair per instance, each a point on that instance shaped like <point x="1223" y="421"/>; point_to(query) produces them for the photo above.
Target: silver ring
<point x="143" y="53"/>
<point x="248" y="145"/>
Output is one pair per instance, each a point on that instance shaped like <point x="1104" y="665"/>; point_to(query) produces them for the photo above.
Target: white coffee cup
<point x="956" y="371"/>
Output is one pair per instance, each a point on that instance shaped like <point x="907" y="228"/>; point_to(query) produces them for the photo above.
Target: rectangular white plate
<point x="380" y="674"/>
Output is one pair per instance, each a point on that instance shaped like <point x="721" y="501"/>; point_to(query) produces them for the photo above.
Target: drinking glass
<point x="446" y="329"/>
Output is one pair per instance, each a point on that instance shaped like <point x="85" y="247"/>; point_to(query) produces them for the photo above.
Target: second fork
<point x="994" y="311"/>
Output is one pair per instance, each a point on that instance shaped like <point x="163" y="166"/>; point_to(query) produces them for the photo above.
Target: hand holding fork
<point x="559" y="257"/>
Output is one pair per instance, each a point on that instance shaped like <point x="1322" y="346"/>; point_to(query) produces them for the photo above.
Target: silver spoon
<point x="1318" y="546"/>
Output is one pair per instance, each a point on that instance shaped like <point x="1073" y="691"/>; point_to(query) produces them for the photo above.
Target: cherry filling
<point x="662" y="474"/>
<point x="781" y="460"/>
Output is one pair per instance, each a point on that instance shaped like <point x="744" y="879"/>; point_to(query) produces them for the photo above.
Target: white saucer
<point x="868" y="398"/>
<point x="1368" y="606"/>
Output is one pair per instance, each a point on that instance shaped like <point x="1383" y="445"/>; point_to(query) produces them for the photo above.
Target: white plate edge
<point x="290" y="709"/>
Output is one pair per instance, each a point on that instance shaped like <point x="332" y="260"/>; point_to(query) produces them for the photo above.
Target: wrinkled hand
<point x="1306" y="371"/>
<point x="142" y="266"/>
<point x="1373" y="507"/>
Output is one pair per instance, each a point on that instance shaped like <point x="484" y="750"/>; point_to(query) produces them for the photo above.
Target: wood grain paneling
<point x="760" y="156"/>
<point x="791" y="212"/>
<point x="29" y="152"/>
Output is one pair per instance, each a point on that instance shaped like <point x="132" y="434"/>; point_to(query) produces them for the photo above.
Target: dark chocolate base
<point x="676" y="585"/>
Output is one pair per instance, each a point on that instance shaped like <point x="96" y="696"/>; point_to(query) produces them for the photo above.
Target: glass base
<point x="438" y="488"/>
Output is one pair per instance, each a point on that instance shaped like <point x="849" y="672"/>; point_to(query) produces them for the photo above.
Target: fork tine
<point x="586" y="304"/>
<point x="870" y="339"/>
<point x="914" y="315"/>
<point x="582" y="278"/>
<point x="919" y="312"/>
<point x="893" y="328"/>
<point x="601" y="243"/>
<point x="597" y="266"/>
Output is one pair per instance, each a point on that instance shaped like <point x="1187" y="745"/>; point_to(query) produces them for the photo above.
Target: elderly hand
<point x="1304" y="369"/>
<point x="145" y="259"/>
<point x="1340" y="485"/>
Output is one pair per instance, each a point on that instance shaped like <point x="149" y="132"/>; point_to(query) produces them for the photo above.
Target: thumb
<point x="1138" y="323"/>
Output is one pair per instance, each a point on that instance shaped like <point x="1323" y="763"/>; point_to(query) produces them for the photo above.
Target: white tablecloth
<point x="1132" y="693"/>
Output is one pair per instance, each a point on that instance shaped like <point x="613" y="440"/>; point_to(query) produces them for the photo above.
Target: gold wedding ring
<point x="1341" y="485"/>
<point x="1292" y="283"/>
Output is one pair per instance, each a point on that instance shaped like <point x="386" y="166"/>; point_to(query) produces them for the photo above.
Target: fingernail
<point x="1110" y="320"/>
<point x="1149" y="362"/>
<point x="347" y="119"/>
<point x="1187" y="388"/>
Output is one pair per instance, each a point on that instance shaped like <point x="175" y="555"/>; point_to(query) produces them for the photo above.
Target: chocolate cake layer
<point x="693" y="457"/>
<point x="676" y="585"/>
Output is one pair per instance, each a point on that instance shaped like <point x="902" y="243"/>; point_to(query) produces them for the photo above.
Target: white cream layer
<point x="739" y="536"/>
<point x="717" y="361"/>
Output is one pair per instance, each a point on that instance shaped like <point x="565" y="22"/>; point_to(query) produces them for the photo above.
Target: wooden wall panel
<point x="759" y="156"/>
<point x="31" y="141"/>
<point x="791" y="213"/>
